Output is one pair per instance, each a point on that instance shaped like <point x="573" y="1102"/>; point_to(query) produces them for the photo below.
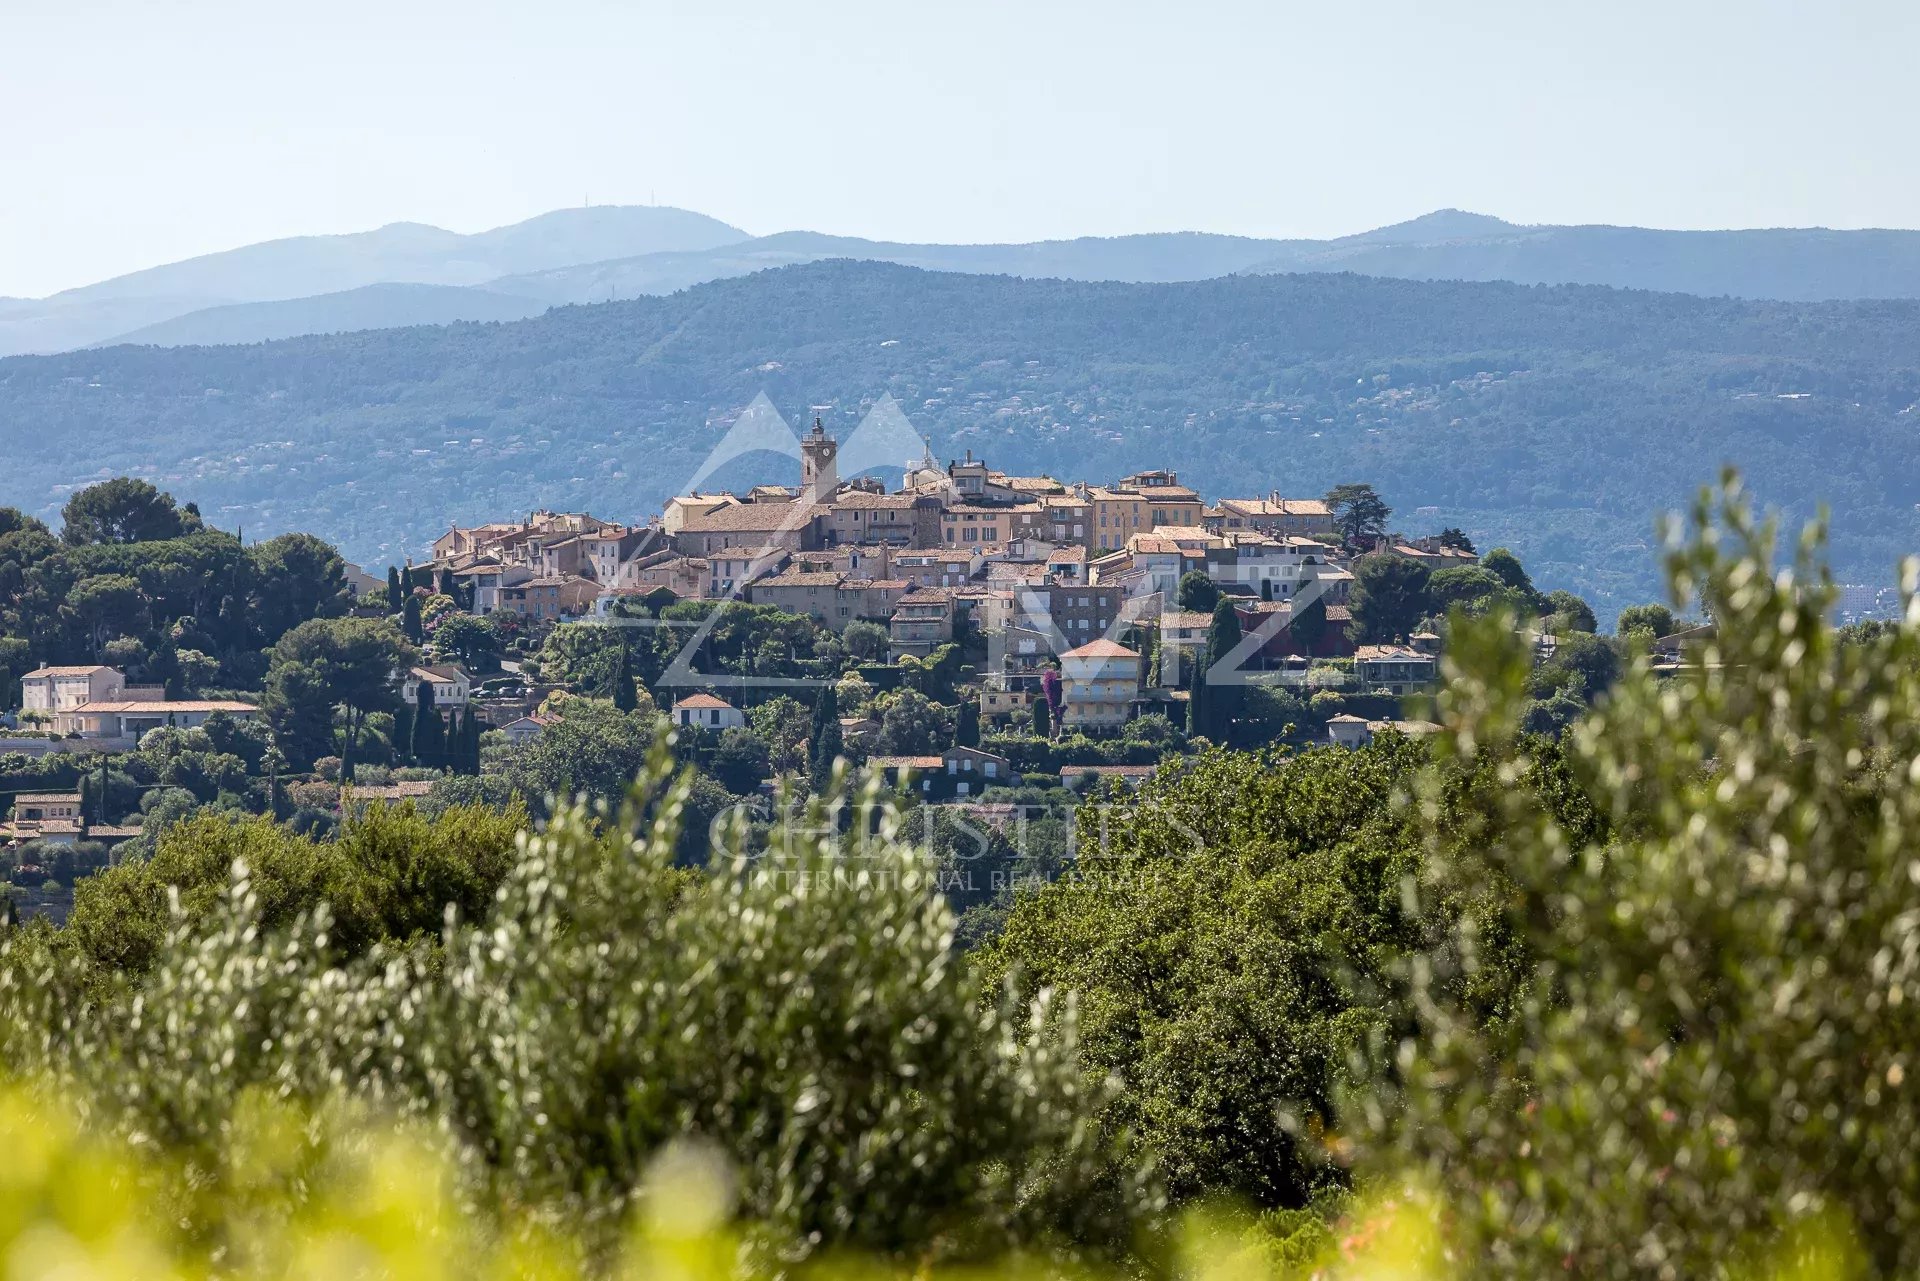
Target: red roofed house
<point x="528" y="728"/>
<point x="704" y="711"/>
<point x="957" y="771"/>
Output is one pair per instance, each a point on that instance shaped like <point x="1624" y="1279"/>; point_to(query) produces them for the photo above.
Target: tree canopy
<point x="1389" y="596"/>
<point x="122" y="510"/>
<point x="1360" y="515"/>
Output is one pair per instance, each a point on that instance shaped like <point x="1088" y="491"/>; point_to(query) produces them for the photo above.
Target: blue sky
<point x="134" y="132"/>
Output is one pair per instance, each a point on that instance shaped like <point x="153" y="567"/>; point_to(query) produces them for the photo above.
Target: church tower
<point x="819" y="465"/>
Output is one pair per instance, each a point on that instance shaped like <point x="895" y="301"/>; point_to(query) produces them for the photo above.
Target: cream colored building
<point x="451" y="685"/>
<point x="96" y="702"/>
<point x="48" y="692"/>
<point x="1273" y="514"/>
<point x="129" y="718"/>
<point x="1100" y="682"/>
<point x="1136" y="505"/>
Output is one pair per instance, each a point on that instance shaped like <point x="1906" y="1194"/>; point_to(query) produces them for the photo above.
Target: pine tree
<point x="966" y="725"/>
<point x="624" y="697"/>
<point x="825" y="745"/>
<point x="393" y="589"/>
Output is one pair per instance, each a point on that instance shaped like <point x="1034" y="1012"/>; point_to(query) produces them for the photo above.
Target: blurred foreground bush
<point x="341" y="1195"/>
<point x="1709" y="1069"/>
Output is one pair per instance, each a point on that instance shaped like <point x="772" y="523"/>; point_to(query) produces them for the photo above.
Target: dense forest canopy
<point x="1548" y="419"/>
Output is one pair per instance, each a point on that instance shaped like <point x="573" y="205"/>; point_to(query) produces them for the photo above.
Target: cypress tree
<point x="966" y="725"/>
<point x="463" y="751"/>
<point x="426" y="722"/>
<point x="1197" y="696"/>
<point x="1223" y="698"/>
<point x="393" y="589"/>
<point x="410" y="621"/>
<point x="1042" y="718"/>
<point x="826" y="742"/>
<point x="624" y="697"/>
<point x="403" y="729"/>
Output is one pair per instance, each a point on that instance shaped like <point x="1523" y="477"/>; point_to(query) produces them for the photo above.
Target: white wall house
<point x="451" y="685"/>
<point x="704" y="711"/>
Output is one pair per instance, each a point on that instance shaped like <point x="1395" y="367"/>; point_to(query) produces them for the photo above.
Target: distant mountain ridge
<point x="610" y="253"/>
<point x="1789" y="264"/>
<point x="1556" y="419"/>
<point x="304" y="266"/>
<point x="383" y="306"/>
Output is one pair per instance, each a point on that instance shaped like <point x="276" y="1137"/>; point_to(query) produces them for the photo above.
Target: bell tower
<point x="819" y="465"/>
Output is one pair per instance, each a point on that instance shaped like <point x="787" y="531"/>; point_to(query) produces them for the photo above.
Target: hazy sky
<point x="134" y="132"/>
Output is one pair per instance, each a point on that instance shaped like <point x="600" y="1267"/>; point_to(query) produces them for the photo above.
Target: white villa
<point x="96" y="702"/>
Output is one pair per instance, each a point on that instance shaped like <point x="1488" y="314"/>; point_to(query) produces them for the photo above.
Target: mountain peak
<point x="1441" y="224"/>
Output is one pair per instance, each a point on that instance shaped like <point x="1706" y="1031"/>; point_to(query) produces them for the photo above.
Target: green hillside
<point x="1553" y="419"/>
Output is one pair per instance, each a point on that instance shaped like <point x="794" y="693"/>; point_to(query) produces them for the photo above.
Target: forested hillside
<point x="1548" y="419"/>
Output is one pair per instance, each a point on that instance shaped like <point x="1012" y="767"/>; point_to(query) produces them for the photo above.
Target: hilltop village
<point x="992" y="642"/>
<point x="1113" y="588"/>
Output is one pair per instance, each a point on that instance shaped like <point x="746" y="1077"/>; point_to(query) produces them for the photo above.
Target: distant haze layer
<point x="407" y="274"/>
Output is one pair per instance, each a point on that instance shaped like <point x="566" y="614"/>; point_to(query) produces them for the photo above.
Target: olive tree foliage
<point x="816" y="1025"/>
<point x="1712" y="1057"/>
<point x="1231" y="931"/>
